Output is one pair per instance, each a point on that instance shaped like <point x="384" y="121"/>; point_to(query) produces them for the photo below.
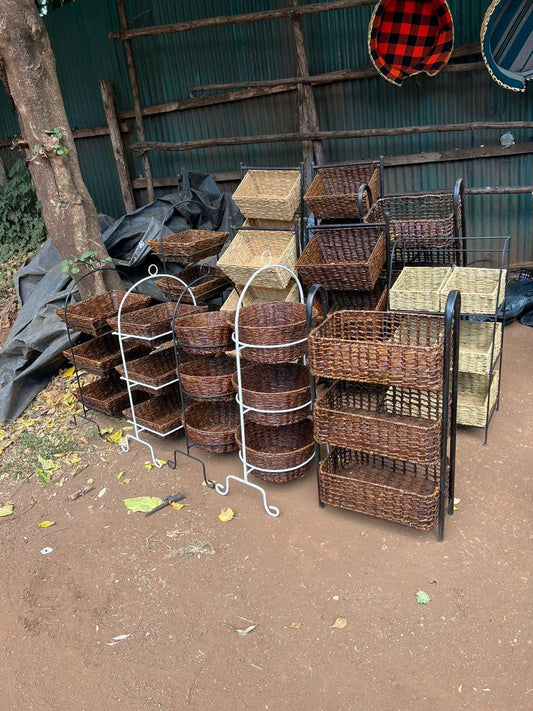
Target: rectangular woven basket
<point x="244" y="257"/>
<point x="343" y="258"/>
<point x="260" y="294"/>
<point x="473" y="396"/>
<point x="377" y="486"/>
<point x="161" y="414"/>
<point x="418" y="289"/>
<point x="108" y="395"/>
<point x="90" y="315"/>
<point x="375" y="300"/>
<point x="102" y="353"/>
<point x="333" y="192"/>
<point x="374" y="347"/>
<point x="269" y="194"/>
<point x="475" y="346"/>
<point x="188" y="246"/>
<point x="478" y="287"/>
<point x="202" y="284"/>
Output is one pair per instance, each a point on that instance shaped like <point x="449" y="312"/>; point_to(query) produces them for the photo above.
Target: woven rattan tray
<point x="278" y="448"/>
<point x="205" y="333"/>
<point x="375" y="300"/>
<point x="154" y="370"/>
<point x="211" y="425"/>
<point x="211" y="282"/>
<point x="478" y="287"/>
<point x="108" y="395"/>
<point x="188" y="246"/>
<point x="377" y="486"/>
<point x="208" y="377"/>
<point x="153" y="321"/>
<point x="399" y="423"/>
<point x="473" y="396"/>
<point x="102" y="353"/>
<point x="418" y="289"/>
<point x="373" y="347"/>
<point x="260" y="294"/>
<point x="90" y="316"/>
<point x="269" y="194"/>
<point x="333" y="192"/>
<point x="343" y="258"/>
<point x="244" y="257"/>
<point x="476" y="345"/>
<point x="161" y="414"/>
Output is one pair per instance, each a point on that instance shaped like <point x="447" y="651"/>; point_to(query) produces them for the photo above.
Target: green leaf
<point x="422" y="597"/>
<point x="59" y="150"/>
<point x="143" y="504"/>
<point x="87" y="255"/>
<point x="42" y="476"/>
<point x="64" y="266"/>
<point x="75" y="270"/>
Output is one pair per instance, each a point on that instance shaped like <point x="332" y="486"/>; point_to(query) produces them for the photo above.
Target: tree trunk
<point x="67" y="208"/>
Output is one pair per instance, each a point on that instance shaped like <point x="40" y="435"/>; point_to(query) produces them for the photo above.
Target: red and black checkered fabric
<point x="410" y="36"/>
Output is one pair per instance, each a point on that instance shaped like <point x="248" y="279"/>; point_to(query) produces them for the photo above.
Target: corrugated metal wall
<point x="168" y="66"/>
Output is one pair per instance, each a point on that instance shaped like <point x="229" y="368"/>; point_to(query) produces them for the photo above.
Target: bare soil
<point x="114" y="573"/>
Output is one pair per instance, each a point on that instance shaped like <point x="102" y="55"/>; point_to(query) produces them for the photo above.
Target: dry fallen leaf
<point x="46" y="524"/>
<point x="243" y="632"/>
<point x="295" y="625"/>
<point x="225" y="515"/>
<point x="339" y="623"/>
<point x="6" y="510"/>
<point x="176" y="505"/>
<point x="115" y="437"/>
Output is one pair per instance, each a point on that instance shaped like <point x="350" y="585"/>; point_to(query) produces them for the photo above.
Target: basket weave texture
<point x="211" y="284"/>
<point x="260" y="294"/>
<point x="478" y="287"/>
<point x="375" y="347"/>
<point x="205" y="333"/>
<point x="399" y="423"/>
<point x="333" y="192"/>
<point x="473" y="397"/>
<point x="162" y="414"/>
<point x="208" y="377"/>
<point x="269" y="194"/>
<point x="102" y="353"/>
<point x="153" y="370"/>
<point x="381" y="487"/>
<point x="418" y="289"/>
<point x="343" y="258"/>
<point x="244" y="257"/>
<point x="188" y="246"/>
<point x="153" y="321"/>
<point x="282" y="386"/>
<point x="375" y="300"/>
<point x="212" y="425"/>
<point x="475" y="346"/>
<point x="278" y="448"/>
<point x="108" y="395"/>
<point x="90" y="316"/>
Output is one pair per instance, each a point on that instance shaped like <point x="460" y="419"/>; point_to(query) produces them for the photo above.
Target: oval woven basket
<point x="204" y="333"/>
<point x="283" y="386"/>
<point x="208" y="377"/>
<point x="278" y="448"/>
<point x="211" y="425"/>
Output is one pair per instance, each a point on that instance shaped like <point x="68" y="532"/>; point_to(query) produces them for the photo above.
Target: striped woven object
<point x="407" y="37"/>
<point x="507" y="42"/>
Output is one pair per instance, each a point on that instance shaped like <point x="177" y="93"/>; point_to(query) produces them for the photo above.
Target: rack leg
<point x="223" y="491"/>
<point x="126" y="446"/>
<point x="173" y="464"/>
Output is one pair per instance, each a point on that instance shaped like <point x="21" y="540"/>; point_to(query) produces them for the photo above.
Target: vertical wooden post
<point x="136" y="100"/>
<point x="307" y="114"/>
<point x="106" y="90"/>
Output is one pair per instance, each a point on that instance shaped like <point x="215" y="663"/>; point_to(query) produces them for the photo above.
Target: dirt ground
<point x="114" y="573"/>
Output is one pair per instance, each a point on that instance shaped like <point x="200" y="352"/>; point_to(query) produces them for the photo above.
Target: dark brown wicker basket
<point x="205" y="333"/>
<point x="153" y="370"/>
<point x="399" y="423"/>
<point x="389" y="489"/>
<point x="90" y="316"/>
<point x="161" y="414"/>
<point x="282" y="386"/>
<point x="375" y="300"/>
<point x="343" y="258"/>
<point x="375" y="346"/>
<point x="333" y="192"/>
<point x="102" y="353"/>
<point x="278" y="448"/>
<point x="108" y="395"/>
<point x="212" y="283"/>
<point x="208" y="377"/>
<point x="188" y="246"/>
<point x="211" y="425"/>
<point x="155" y="320"/>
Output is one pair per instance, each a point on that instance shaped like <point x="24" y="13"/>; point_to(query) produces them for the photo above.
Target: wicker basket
<point x="208" y="377"/>
<point x="343" y="258"/>
<point x="375" y="300"/>
<point x="254" y="295"/>
<point x="418" y="289"/>
<point x="372" y="347"/>
<point x="108" y="395"/>
<point x="269" y="194"/>
<point x="278" y="448"/>
<point x="188" y="246"/>
<point x="244" y="257"/>
<point x="269" y="224"/>
<point x="333" y="192"/>
<point x="284" y="386"/>
<point x="386" y="488"/>
<point x="475" y="346"/>
<point x="90" y="316"/>
<point x="153" y="321"/>
<point x="153" y="371"/>
<point x="399" y="423"/>
<point x="102" y="353"/>
<point x="161" y="414"/>
<point x="211" y="425"/>
<point x="205" y="333"/>
<point x="473" y="397"/>
<point x="212" y="284"/>
<point x="478" y="287"/>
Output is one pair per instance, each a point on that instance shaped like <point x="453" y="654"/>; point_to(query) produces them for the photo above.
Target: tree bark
<point x="67" y="208"/>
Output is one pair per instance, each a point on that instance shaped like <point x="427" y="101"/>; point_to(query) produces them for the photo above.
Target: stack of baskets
<point x="270" y="200"/>
<point x="383" y="414"/>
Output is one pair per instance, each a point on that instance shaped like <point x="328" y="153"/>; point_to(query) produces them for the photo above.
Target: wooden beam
<point x="77" y="133"/>
<point x="172" y="181"/>
<point x="290" y="12"/>
<point x="459" y="154"/>
<point x="108" y="100"/>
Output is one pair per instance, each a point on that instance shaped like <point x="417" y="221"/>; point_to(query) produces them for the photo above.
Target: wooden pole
<point x="125" y="34"/>
<point x="136" y="101"/>
<point x="106" y="90"/>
